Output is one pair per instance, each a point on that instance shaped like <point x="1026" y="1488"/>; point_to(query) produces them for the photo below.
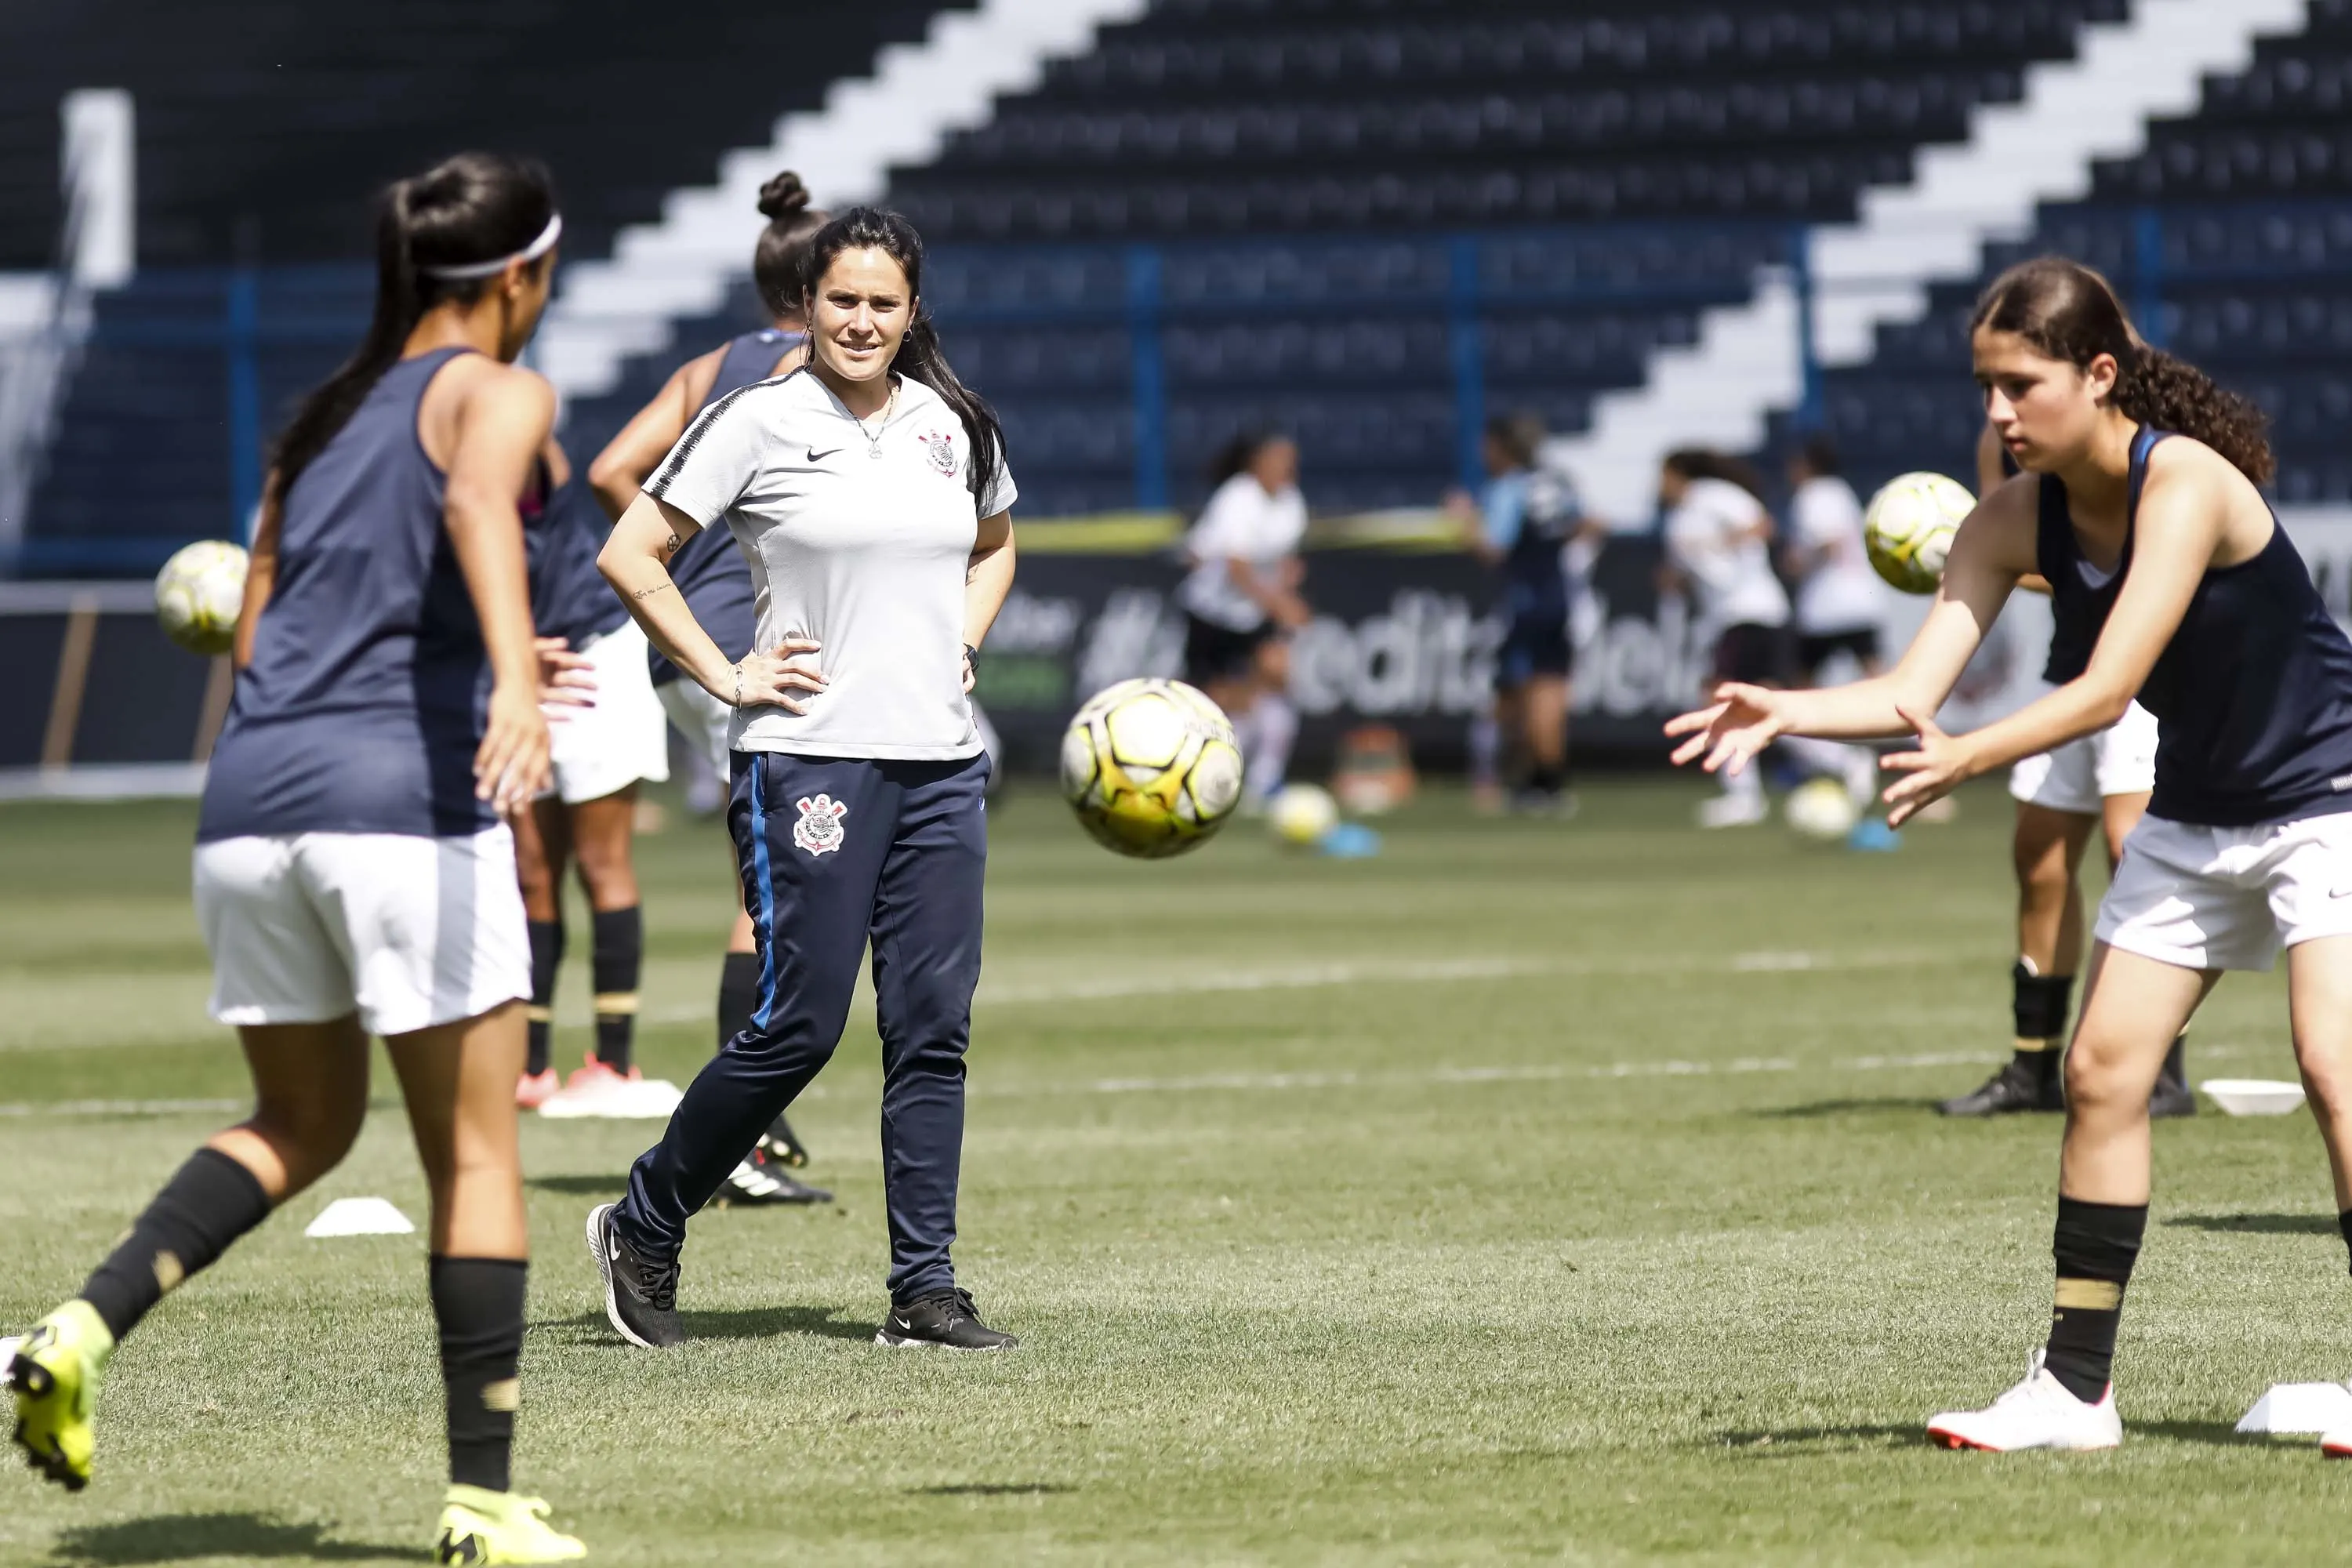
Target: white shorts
<point x="407" y="932"/>
<point x="701" y="718"/>
<point x="2078" y="775"/>
<point x="623" y="738"/>
<point x="2229" y="898"/>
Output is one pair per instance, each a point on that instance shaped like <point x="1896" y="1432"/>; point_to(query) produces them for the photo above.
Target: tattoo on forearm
<point x="649" y="593"/>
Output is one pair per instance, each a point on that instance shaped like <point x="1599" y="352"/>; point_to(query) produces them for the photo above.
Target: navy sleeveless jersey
<point x="366" y="695"/>
<point x="708" y="569"/>
<point x="568" y="597"/>
<point x="2254" y="694"/>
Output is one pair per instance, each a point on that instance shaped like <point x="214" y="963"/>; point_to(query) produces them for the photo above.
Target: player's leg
<point x="1274" y="723"/>
<point x="2133" y="1008"/>
<point x="454" y="1079"/>
<point x="310" y="1098"/>
<point x="1748" y="653"/>
<point x="927" y="940"/>
<point x="542" y="847"/>
<point x="810" y="835"/>
<point x="1546" y="726"/>
<point x="603" y="837"/>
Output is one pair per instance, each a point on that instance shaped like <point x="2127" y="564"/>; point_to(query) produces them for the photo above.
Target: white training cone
<point x="2300" y="1408"/>
<point x="359" y="1216"/>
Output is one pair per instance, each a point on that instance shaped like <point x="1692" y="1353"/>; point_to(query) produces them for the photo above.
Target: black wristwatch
<point x="972" y="656"/>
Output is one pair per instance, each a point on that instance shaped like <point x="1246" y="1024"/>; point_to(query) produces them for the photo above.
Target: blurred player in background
<point x="1718" y="539"/>
<point x="715" y="581"/>
<point x="1241" y="600"/>
<point x="352" y="874"/>
<point x="1838" y="603"/>
<point x="2100" y="782"/>
<point x="588" y="818"/>
<point x="1524" y="525"/>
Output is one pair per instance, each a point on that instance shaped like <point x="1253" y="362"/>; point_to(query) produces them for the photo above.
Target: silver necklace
<point x="874" y="441"/>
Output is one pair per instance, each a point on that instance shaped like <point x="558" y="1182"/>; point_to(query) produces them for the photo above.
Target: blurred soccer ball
<point x="1150" y="767"/>
<point x="1821" y="808"/>
<point x="1908" y="529"/>
<point x="1302" y="814"/>
<point x="198" y="593"/>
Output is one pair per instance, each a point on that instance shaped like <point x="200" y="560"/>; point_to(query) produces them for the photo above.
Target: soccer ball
<point x="1910" y="526"/>
<point x="1821" y="808"/>
<point x="1302" y="814"/>
<point x="198" y="593"/>
<point x="1150" y="767"/>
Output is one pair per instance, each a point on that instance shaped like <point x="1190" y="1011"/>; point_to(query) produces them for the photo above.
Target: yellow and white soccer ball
<point x="1821" y="808"/>
<point x="1150" y="767"/>
<point x="1910" y="526"/>
<point x="1302" y="814"/>
<point x="199" y="593"/>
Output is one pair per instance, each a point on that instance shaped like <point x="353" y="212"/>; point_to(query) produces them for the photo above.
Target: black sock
<point x="739" y="994"/>
<point x="2096" y="1246"/>
<point x="2344" y="1224"/>
<point x="546" y="958"/>
<point x="619" y="957"/>
<point x="2039" y="1003"/>
<point x="1548" y="780"/>
<point x="209" y="1202"/>
<point x="478" y="1302"/>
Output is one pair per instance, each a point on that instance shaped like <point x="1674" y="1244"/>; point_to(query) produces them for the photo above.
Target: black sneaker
<point x="760" y="1182"/>
<point x="2016" y="1087"/>
<point x="947" y="1318"/>
<point x="640" y="1296"/>
<point x="780" y="1143"/>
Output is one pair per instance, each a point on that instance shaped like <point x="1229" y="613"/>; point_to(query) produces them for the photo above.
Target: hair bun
<point x="783" y="196"/>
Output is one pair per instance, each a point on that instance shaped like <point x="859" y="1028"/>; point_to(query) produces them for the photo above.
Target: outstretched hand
<point x="1728" y="735"/>
<point x="1941" y="763"/>
<point x="566" y="679"/>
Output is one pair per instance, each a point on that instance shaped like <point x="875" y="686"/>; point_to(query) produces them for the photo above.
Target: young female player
<point x="1522" y="527"/>
<point x="715" y="581"/>
<point x="870" y="492"/>
<point x="1241" y="599"/>
<point x="2138" y="505"/>
<point x="587" y="819"/>
<point x="353" y="875"/>
<point x="2099" y="782"/>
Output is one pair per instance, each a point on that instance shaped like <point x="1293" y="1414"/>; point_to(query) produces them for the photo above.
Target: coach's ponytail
<point x="920" y="357"/>
<point x="471" y="209"/>
<point x="2067" y="311"/>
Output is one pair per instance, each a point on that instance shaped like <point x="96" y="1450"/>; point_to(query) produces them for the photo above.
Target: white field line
<point x="1562" y="1072"/>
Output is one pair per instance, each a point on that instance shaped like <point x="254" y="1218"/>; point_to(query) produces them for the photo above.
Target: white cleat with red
<point x="2037" y="1413"/>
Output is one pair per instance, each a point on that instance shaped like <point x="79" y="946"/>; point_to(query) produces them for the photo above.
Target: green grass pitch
<point x="1560" y="1192"/>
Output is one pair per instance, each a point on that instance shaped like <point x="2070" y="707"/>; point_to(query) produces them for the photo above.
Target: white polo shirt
<point x="862" y="546"/>
<point x="1841" y="594"/>
<point x="1242" y="522"/>
<point x="1706" y="535"/>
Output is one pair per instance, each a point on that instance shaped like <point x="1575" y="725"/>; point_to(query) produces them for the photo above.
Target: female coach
<point x="2138" y="505"/>
<point x="869" y="494"/>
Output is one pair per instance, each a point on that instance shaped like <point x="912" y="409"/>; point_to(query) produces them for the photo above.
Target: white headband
<point x="531" y="252"/>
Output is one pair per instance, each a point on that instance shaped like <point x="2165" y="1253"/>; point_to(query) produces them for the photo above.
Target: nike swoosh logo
<point x="612" y="1249"/>
<point x="817" y="457"/>
<point x="901" y="1324"/>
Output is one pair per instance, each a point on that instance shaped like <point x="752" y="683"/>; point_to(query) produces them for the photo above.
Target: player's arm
<point x="260" y="572"/>
<point x="503" y="419"/>
<point x="1993" y="548"/>
<point x="987" y="578"/>
<point x="2177" y="533"/>
<point x="631" y="456"/>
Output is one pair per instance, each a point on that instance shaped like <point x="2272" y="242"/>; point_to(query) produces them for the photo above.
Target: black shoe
<point x="2016" y="1087"/>
<point x="2170" y="1098"/>
<point x="759" y="1181"/>
<point x="640" y="1296"/>
<point x="780" y="1143"/>
<point x="947" y="1318"/>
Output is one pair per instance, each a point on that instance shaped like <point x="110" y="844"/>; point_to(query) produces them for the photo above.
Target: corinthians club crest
<point x="941" y="444"/>
<point x="819" y="830"/>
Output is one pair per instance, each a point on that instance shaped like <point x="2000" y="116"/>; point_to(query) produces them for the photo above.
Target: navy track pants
<point x="834" y="851"/>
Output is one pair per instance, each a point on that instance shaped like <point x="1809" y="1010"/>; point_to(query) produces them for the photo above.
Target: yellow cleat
<point x="54" y="1373"/>
<point x="483" y="1527"/>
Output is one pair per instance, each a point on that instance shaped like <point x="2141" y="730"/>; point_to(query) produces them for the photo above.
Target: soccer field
<point x="1529" y="1193"/>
